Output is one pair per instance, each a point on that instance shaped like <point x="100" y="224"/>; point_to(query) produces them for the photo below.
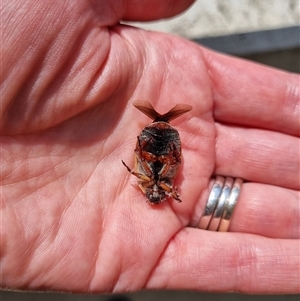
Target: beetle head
<point x="155" y="194"/>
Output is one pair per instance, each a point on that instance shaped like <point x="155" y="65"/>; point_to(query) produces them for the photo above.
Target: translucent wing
<point x="146" y="107"/>
<point x="175" y="112"/>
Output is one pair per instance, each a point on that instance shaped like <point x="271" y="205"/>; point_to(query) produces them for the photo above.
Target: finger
<point x="250" y="94"/>
<point x="261" y="209"/>
<point x="258" y="156"/>
<point x="268" y="211"/>
<point x="213" y="261"/>
<point x="153" y="10"/>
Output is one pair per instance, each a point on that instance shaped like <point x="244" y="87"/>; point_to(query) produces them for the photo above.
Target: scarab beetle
<point x="158" y="153"/>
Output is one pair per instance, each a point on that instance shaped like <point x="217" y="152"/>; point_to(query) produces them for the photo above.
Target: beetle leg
<point x="146" y="184"/>
<point x="146" y="168"/>
<point x="172" y="158"/>
<point x="139" y="147"/>
<point x="164" y="171"/>
<point x="170" y="191"/>
<point x="144" y="157"/>
<point x="175" y="154"/>
<point x="138" y="175"/>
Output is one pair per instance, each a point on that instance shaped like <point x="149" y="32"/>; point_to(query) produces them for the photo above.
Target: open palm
<point x="72" y="216"/>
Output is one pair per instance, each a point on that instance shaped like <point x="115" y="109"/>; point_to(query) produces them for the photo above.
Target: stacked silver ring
<point x="220" y="204"/>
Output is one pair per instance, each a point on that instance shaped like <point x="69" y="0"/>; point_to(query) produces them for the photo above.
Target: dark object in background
<point x="288" y="60"/>
<point x="279" y="48"/>
<point x="119" y="298"/>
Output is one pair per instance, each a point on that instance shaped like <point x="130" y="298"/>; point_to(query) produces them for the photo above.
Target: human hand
<point x="72" y="218"/>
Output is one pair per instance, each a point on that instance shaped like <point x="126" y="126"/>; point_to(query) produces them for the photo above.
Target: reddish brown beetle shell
<point x="158" y="153"/>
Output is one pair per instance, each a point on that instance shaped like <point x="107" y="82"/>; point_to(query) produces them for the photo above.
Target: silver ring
<point x="211" y="203"/>
<point x="230" y="204"/>
<point x="220" y="204"/>
<point x="222" y="201"/>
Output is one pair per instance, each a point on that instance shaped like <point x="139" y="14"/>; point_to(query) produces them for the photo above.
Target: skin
<point x="72" y="216"/>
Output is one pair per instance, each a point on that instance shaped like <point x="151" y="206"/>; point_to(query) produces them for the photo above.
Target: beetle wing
<point x="146" y="107"/>
<point x="175" y="112"/>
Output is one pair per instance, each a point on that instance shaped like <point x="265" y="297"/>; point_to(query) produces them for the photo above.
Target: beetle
<point x="158" y="153"/>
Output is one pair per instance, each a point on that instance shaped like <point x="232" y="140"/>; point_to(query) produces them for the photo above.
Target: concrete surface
<point x="255" y="42"/>
<point x="265" y="31"/>
<point x="207" y="18"/>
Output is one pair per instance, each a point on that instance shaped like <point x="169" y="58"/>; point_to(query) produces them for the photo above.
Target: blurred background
<point x="265" y="31"/>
